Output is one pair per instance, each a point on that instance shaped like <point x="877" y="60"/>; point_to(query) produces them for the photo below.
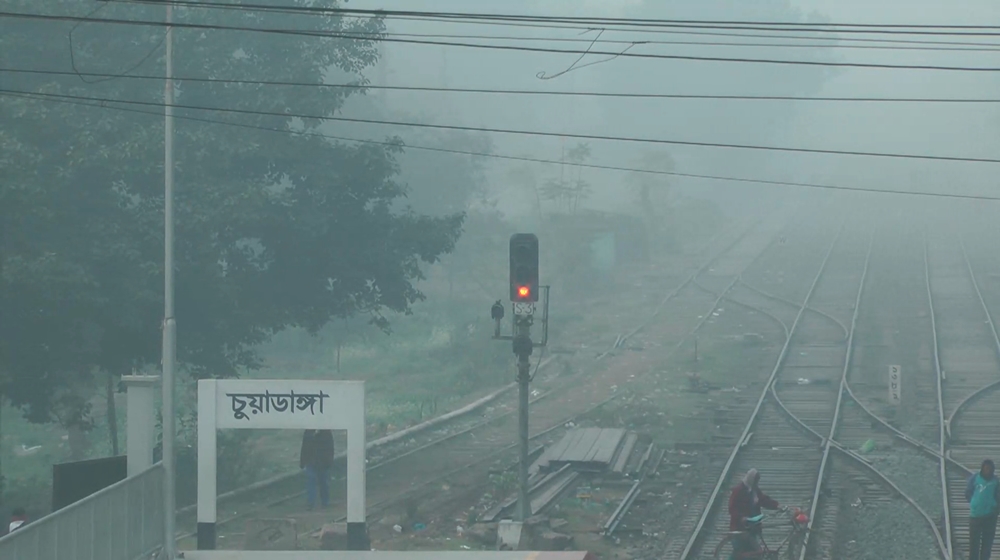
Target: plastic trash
<point x="868" y="446"/>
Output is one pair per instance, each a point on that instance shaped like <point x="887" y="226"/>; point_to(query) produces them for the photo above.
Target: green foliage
<point x="503" y="483"/>
<point x="273" y="230"/>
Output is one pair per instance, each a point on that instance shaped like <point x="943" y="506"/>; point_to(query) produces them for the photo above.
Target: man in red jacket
<point x="746" y="501"/>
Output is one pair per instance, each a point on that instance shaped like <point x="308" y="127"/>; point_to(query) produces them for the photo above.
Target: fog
<point x="306" y="247"/>
<point x="934" y="129"/>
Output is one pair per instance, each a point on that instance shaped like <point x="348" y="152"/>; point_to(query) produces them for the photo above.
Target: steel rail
<point x="676" y="347"/>
<point x="833" y="443"/>
<point x="724" y="476"/>
<point x="943" y="442"/>
<point x="906" y="438"/>
<point x="993" y="330"/>
<point x="671" y="295"/>
<point x="793" y="304"/>
<point x="861" y="461"/>
<point x="840" y="399"/>
<point x="238" y="492"/>
<point x="424" y="426"/>
<point x="828" y="441"/>
<point x="620" y="341"/>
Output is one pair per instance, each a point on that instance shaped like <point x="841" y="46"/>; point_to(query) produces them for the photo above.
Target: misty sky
<point x="939" y="129"/>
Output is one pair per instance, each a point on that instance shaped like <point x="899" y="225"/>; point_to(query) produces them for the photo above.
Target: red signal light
<point x="523" y="291"/>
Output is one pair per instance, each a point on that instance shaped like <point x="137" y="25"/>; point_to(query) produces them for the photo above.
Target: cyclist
<point x="745" y="502"/>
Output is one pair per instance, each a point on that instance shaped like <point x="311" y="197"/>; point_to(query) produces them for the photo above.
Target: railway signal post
<point x="524" y="294"/>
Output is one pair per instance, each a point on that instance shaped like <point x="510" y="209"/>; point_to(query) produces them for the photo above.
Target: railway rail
<point x="666" y="499"/>
<point x="803" y="405"/>
<point x="967" y="360"/>
<point x="767" y="440"/>
<point x="478" y="442"/>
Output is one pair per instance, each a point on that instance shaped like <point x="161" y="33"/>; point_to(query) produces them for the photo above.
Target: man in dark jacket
<point x="983" y="494"/>
<point x="316" y="459"/>
<point x="746" y="501"/>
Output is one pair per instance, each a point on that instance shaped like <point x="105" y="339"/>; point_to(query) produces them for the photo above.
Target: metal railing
<point x="121" y="522"/>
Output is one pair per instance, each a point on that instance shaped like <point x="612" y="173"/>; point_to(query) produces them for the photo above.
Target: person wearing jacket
<point x="316" y="458"/>
<point x="746" y="501"/>
<point x="983" y="494"/>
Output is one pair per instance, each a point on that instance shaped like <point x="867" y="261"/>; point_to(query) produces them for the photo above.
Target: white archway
<point x="281" y="404"/>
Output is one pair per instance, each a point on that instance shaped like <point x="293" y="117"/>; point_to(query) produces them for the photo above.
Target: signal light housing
<point x="524" y="267"/>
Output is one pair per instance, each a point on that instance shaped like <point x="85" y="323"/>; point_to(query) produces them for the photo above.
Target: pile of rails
<point x="610" y="453"/>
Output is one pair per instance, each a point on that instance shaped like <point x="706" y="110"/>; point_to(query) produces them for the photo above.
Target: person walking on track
<point x="746" y="501"/>
<point x="316" y="458"/>
<point x="983" y="494"/>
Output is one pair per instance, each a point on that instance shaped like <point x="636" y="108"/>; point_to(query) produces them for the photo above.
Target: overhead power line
<point x="933" y="46"/>
<point x="587" y="20"/>
<point x="539" y="133"/>
<point x="524" y="159"/>
<point x="516" y="92"/>
<point x="338" y="35"/>
<point x="577" y="27"/>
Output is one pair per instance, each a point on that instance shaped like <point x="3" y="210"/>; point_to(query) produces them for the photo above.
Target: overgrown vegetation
<point x="296" y="255"/>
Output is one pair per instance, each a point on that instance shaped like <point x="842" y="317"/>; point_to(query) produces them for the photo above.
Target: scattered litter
<point x="466" y="547"/>
<point x="685" y="466"/>
<point x="397" y="528"/>
<point x="419" y="527"/>
<point x="857" y="503"/>
<point x="535" y="393"/>
<point x="868" y="446"/>
<point x="803" y="381"/>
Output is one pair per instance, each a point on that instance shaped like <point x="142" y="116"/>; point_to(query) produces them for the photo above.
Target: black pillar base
<point x="357" y="537"/>
<point x="206" y="536"/>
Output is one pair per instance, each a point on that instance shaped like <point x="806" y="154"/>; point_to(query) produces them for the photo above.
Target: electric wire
<point x="382" y="13"/>
<point x="523" y="159"/>
<point x="515" y="92"/>
<point x="539" y="133"/>
<point x="519" y="48"/>
<point x="627" y="30"/>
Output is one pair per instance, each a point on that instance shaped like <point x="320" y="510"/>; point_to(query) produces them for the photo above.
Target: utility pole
<point x="169" y="323"/>
<point x="522" y="349"/>
<point x="169" y="326"/>
<point x="524" y="292"/>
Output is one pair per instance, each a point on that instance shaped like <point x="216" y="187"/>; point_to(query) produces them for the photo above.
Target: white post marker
<point x="281" y="404"/>
<point x="140" y="421"/>
<point x="895" y="385"/>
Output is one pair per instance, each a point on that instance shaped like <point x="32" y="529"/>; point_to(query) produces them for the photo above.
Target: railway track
<point x="967" y="358"/>
<point x="771" y="431"/>
<point x="474" y="445"/>
<point x="816" y="413"/>
<point x="667" y="498"/>
<point x="700" y="528"/>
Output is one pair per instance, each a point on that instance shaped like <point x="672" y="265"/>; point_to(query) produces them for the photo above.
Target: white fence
<point x="121" y="522"/>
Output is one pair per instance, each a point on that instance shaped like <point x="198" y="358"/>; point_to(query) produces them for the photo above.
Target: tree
<point x="652" y="191"/>
<point x="567" y="190"/>
<point x="274" y="229"/>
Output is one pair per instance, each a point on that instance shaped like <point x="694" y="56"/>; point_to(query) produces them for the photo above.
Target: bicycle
<point x="798" y="522"/>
